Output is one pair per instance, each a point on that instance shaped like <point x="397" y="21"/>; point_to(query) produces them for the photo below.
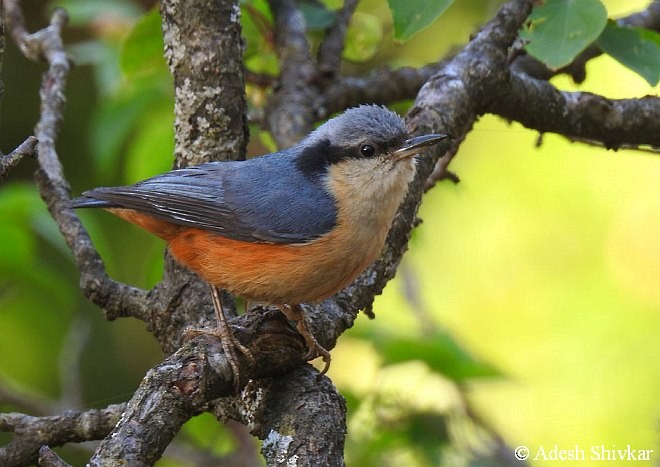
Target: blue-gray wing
<point x="260" y="200"/>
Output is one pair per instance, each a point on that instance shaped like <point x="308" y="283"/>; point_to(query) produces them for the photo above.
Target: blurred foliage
<point x="636" y="48"/>
<point x="529" y="292"/>
<point x="558" y="30"/>
<point x="410" y="17"/>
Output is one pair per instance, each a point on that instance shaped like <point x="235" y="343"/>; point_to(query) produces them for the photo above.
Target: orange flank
<point x="163" y="229"/>
<point x="269" y="272"/>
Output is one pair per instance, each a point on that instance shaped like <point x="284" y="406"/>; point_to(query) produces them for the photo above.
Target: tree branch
<point x="198" y="374"/>
<point x="210" y="124"/>
<point x="582" y="116"/>
<point x="451" y="100"/>
<point x="203" y="48"/>
<point x="30" y="433"/>
<point x="381" y="87"/>
<point x="169" y="395"/>
<point x="209" y="107"/>
<point x="387" y="86"/>
<point x="289" y="114"/>
<point x="291" y="416"/>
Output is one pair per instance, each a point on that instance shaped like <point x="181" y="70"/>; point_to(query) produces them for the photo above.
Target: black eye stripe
<point x="314" y="160"/>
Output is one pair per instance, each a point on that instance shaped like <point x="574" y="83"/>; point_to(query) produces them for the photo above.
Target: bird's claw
<point x="314" y="349"/>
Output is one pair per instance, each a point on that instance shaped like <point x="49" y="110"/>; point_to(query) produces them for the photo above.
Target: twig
<point x="48" y="458"/>
<point x="24" y="399"/>
<point x="11" y="160"/>
<point x="115" y="298"/>
<point x="330" y="50"/>
<point x="260" y="79"/>
<point x="70" y="356"/>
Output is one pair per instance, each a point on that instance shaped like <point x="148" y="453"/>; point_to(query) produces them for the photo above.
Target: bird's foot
<point x="295" y="313"/>
<point x="227" y="339"/>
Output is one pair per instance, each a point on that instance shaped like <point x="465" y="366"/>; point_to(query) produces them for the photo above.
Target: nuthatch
<point x="286" y="228"/>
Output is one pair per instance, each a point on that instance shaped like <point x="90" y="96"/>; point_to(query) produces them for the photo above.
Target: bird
<point x="290" y="227"/>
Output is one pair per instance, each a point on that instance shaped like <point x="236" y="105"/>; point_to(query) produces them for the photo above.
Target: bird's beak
<point x="415" y="145"/>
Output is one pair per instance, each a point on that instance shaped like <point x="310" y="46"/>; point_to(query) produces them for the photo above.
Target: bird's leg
<point x="295" y="313"/>
<point x="227" y="338"/>
<point x="226" y="335"/>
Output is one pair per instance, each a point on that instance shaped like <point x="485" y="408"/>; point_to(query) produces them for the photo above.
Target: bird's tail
<point x="88" y="202"/>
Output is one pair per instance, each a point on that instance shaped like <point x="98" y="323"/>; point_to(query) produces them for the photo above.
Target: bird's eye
<point x="367" y="150"/>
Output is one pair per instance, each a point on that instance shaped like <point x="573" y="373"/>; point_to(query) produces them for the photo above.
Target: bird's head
<point x="369" y="144"/>
<point x="368" y="137"/>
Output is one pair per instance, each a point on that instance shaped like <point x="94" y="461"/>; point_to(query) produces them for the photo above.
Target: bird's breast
<point x="276" y="273"/>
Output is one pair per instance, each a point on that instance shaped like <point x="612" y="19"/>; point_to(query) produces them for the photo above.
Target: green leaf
<point x="84" y="12"/>
<point x="17" y="248"/>
<point x="635" y="48"/>
<point x="265" y="138"/>
<point x="24" y="215"/>
<point x="411" y="16"/>
<point x="115" y="119"/>
<point x="363" y="38"/>
<point x="152" y="150"/>
<point x="559" y="30"/>
<point x="31" y="337"/>
<point x="256" y="25"/>
<point x="142" y="50"/>
<point x="203" y="432"/>
<point x="19" y="202"/>
<point x="103" y="57"/>
<point x="317" y="16"/>
<point x="439" y="351"/>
